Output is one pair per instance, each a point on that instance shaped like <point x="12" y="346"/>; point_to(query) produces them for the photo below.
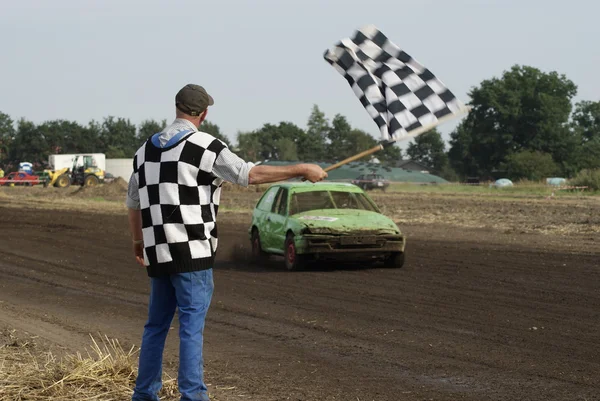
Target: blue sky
<point x="262" y="60"/>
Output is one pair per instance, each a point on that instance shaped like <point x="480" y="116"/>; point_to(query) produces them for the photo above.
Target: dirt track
<point x="470" y="317"/>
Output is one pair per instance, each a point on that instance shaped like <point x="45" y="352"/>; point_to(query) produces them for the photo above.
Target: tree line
<point x="523" y="125"/>
<point x="118" y="137"/>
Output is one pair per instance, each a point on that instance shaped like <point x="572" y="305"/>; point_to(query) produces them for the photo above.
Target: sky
<point x="262" y="60"/>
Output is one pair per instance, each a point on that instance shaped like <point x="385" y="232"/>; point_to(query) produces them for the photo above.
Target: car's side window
<point x="283" y="200"/>
<point x="267" y="202"/>
<point x="275" y="204"/>
<point x="280" y="204"/>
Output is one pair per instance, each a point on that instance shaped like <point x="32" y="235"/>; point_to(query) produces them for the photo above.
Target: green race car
<point x="306" y="222"/>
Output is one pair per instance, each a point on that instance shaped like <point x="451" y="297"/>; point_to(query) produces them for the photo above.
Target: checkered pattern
<point x="399" y="93"/>
<point x="179" y="200"/>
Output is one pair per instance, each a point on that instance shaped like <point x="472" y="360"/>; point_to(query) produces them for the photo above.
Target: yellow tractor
<point x="83" y="174"/>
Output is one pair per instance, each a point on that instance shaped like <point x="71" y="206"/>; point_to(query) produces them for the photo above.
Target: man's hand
<point x="138" y="252"/>
<point x="313" y="173"/>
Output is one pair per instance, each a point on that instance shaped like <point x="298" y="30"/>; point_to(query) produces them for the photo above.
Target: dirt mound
<point x="113" y="190"/>
<point x="120" y="183"/>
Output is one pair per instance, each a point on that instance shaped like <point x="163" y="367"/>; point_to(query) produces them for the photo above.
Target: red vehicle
<point x="20" y="178"/>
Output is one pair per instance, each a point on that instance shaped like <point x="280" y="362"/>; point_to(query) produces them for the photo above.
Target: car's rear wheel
<point x="293" y="261"/>
<point x="258" y="255"/>
<point x="395" y="260"/>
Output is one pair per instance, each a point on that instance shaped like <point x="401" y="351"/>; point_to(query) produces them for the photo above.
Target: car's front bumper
<point x="338" y="245"/>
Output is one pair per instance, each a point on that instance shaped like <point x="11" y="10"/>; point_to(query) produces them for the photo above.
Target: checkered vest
<point x="179" y="199"/>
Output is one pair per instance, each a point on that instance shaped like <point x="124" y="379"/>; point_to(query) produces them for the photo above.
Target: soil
<point x="111" y="191"/>
<point x="479" y="311"/>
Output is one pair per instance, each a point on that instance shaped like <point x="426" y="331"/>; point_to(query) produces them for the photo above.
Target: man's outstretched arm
<point x="267" y="174"/>
<point x="230" y="167"/>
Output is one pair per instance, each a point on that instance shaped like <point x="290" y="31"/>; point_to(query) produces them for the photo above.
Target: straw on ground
<point x="107" y="372"/>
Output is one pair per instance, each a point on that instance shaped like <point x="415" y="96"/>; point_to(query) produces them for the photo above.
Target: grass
<point x="519" y="189"/>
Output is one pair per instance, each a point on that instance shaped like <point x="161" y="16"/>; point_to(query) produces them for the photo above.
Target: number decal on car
<point x="319" y="218"/>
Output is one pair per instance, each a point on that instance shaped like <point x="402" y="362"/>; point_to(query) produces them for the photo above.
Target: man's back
<point x="179" y="198"/>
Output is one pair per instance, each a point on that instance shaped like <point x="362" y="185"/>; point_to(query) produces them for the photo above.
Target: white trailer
<point x="120" y="168"/>
<point x="58" y="162"/>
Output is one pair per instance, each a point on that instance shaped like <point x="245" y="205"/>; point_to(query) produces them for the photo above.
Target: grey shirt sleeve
<point x="133" y="194"/>
<point x="232" y="168"/>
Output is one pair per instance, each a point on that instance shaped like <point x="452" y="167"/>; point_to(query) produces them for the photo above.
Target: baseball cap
<point x="193" y="100"/>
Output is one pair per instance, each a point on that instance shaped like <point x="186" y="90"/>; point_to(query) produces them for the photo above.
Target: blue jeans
<point x="191" y="294"/>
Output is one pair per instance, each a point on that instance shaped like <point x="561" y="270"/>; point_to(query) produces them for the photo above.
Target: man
<point x="173" y="200"/>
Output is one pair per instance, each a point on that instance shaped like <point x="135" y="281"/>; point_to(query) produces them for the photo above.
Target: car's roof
<point x="323" y="185"/>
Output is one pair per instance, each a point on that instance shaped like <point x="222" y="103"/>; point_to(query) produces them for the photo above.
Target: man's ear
<point x="203" y="116"/>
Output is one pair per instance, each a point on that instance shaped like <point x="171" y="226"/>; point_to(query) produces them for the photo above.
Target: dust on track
<point x="475" y="314"/>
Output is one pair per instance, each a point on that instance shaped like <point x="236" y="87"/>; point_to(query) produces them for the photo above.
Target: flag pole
<point x="356" y="157"/>
<point x="411" y="134"/>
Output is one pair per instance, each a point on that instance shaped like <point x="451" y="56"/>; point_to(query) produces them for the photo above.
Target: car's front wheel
<point x="293" y="261"/>
<point x="395" y="260"/>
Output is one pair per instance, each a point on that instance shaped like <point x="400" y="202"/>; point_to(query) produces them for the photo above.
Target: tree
<point x="7" y="135"/>
<point x="148" y="128"/>
<point x="214" y="130"/>
<point x="355" y="142"/>
<point x="318" y="124"/>
<point x="249" y="146"/>
<point x="314" y="143"/>
<point x="429" y="148"/>
<point x="586" y="120"/>
<point x="589" y="155"/>
<point x="92" y="132"/>
<point x="118" y="137"/>
<point x="64" y="136"/>
<point x="525" y="109"/>
<point x="29" y="144"/>
<point x="532" y="165"/>
<point x="586" y="128"/>
<point x="390" y="154"/>
<point x="338" y="136"/>
<point x="286" y="149"/>
<point x="272" y="142"/>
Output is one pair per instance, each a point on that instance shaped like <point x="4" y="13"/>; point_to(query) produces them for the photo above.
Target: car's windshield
<point x="314" y="200"/>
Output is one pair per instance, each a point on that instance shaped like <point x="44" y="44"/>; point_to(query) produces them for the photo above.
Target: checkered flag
<point x="403" y="97"/>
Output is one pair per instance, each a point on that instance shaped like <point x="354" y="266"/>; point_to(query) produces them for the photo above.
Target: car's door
<point x="279" y="218"/>
<point x="20" y="178"/>
<point x="262" y="211"/>
<point x="275" y="222"/>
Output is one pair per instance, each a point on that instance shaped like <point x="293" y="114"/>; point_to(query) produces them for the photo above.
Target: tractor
<point x="84" y="173"/>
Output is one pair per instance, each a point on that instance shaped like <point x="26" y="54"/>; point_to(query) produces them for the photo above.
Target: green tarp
<point x="352" y="170"/>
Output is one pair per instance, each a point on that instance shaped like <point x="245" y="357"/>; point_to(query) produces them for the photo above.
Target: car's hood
<point x="340" y="221"/>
